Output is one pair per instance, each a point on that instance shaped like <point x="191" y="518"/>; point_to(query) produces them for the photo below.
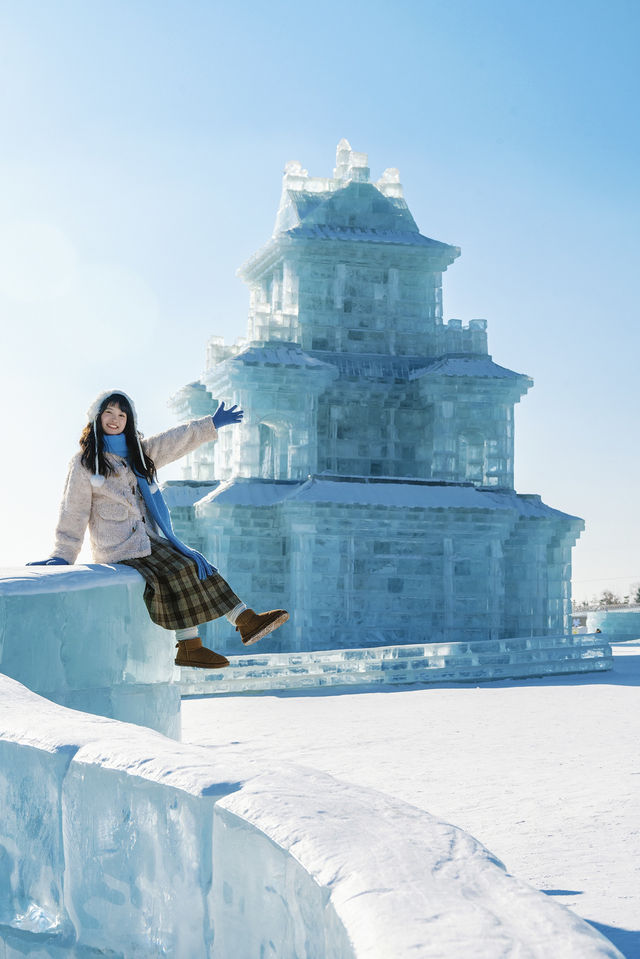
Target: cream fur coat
<point x="119" y="524"/>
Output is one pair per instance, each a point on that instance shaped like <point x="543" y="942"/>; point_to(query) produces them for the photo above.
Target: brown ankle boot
<point x="191" y="652"/>
<point x="253" y="626"/>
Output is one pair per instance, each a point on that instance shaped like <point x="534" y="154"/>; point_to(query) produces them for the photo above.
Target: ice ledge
<point x="81" y="636"/>
<point x="131" y="826"/>
<point x="55" y="579"/>
<point x="380" y="491"/>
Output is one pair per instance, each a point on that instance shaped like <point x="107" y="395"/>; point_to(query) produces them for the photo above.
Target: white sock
<point x="235" y="612"/>
<point x="190" y="632"/>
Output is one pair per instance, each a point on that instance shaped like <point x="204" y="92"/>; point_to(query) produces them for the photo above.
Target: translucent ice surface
<point x="369" y="489"/>
<point x="81" y="635"/>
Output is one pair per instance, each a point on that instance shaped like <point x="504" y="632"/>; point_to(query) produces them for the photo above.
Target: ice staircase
<point x="482" y="661"/>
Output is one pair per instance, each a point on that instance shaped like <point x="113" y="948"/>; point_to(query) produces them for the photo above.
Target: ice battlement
<point x="456" y="337"/>
<point x="303" y="194"/>
<point x="451" y="337"/>
<point x="351" y="166"/>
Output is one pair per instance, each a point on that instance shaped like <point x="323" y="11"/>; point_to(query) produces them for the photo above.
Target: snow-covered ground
<point x="545" y="773"/>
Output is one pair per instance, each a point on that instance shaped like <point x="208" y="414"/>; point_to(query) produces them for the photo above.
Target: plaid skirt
<point x="174" y="595"/>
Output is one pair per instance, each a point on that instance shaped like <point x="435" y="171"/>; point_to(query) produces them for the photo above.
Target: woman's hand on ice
<point x="56" y="561"/>
<point x="223" y="417"/>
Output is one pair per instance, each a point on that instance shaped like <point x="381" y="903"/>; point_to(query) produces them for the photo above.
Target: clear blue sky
<point x="142" y="149"/>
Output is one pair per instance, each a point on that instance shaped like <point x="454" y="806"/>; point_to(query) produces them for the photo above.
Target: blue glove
<point x="56" y="561"/>
<point x="223" y="417"/>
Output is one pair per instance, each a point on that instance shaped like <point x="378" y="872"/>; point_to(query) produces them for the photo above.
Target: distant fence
<point x="605" y="609"/>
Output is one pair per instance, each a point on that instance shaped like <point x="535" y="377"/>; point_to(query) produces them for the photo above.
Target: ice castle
<point x="370" y="488"/>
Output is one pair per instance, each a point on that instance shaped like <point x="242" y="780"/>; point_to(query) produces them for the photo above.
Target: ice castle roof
<point x="253" y="492"/>
<point x="414" y="367"/>
<point x="529" y="504"/>
<point x="373" y="365"/>
<point x="378" y="491"/>
<point x="355" y="212"/>
<point x="278" y="354"/>
<point x="360" y="234"/>
<point x="338" y="207"/>
<point x="178" y="493"/>
<point x="470" y="365"/>
<point x="346" y="208"/>
<point x="304" y="203"/>
<point x="406" y="495"/>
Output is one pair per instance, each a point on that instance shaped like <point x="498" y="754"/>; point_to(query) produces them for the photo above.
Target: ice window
<point x="471" y="454"/>
<point x="267" y="451"/>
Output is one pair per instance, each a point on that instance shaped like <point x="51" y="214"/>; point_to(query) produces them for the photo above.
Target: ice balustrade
<point x="484" y="661"/>
<point x="82" y="637"/>
<point x="115" y="840"/>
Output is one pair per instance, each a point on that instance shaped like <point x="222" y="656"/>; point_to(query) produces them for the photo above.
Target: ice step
<point x="516" y="658"/>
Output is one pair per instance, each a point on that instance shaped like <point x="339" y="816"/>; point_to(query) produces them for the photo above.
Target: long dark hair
<point x="88" y="442"/>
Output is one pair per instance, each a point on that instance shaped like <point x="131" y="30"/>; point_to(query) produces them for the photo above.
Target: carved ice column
<point x="443" y="464"/>
<point x="448" y="593"/>
<point x="495" y="597"/>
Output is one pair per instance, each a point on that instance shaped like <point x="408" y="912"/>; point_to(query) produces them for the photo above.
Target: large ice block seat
<point x="81" y="636"/>
<point x="117" y="841"/>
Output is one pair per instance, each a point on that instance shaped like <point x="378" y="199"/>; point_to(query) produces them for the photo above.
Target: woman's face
<point x="113" y="420"/>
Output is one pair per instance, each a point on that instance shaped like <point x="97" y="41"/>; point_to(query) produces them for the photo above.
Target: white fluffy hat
<point x="94" y="409"/>
<point x="92" y="415"/>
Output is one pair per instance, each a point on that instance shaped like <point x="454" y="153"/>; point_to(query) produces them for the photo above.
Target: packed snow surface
<point x="108" y="829"/>
<point x="545" y="773"/>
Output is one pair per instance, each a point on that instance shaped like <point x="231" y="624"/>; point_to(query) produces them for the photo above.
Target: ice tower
<point x="370" y="487"/>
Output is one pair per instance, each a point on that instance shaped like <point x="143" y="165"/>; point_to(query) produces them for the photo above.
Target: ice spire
<point x="349" y="164"/>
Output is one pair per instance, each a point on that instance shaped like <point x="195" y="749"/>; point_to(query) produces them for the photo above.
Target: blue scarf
<point x="158" y="509"/>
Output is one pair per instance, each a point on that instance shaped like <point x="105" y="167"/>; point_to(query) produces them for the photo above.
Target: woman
<point x="111" y="488"/>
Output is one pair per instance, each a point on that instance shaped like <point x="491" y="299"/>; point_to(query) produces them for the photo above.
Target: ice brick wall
<point x="278" y="439"/>
<point x="116" y="841"/>
<point x="81" y="636"/>
<point x="375" y="563"/>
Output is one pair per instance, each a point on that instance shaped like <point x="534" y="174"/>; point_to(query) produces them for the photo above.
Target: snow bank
<point x="115" y="839"/>
<point x="81" y="636"/>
